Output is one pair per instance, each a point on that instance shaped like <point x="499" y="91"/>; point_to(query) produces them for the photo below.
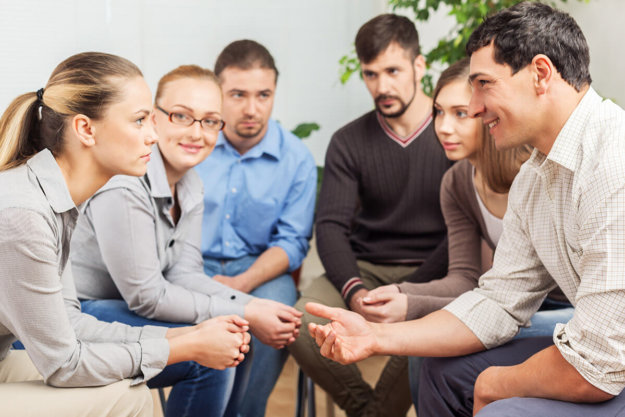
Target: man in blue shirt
<point x="260" y="184"/>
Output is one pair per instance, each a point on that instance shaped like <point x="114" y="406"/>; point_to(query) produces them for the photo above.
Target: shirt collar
<point x="51" y="180"/>
<point x="269" y="144"/>
<point x="156" y="175"/>
<point x="567" y="148"/>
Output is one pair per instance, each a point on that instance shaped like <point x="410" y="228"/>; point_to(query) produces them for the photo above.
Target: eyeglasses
<point x="182" y="119"/>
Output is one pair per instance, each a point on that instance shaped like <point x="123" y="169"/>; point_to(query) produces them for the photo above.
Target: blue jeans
<point x="196" y="390"/>
<point x="255" y="378"/>
<point x="543" y="324"/>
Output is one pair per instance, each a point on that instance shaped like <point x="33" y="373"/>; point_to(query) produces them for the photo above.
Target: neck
<point x="558" y="109"/>
<point x="407" y="123"/>
<point x="241" y="144"/>
<point x="80" y="177"/>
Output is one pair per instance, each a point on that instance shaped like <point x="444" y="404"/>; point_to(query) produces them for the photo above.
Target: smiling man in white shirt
<point x="565" y="225"/>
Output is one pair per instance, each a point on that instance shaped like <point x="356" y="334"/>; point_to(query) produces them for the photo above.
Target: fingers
<point x="375" y="298"/>
<point x="290" y="315"/>
<point x="320" y="310"/>
<point x="327" y="347"/>
<point x="239" y="321"/>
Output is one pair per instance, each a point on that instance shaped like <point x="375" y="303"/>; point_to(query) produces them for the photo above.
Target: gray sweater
<point x="38" y="301"/>
<point x="126" y="245"/>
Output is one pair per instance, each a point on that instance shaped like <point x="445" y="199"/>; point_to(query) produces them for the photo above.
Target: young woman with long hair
<point x="136" y="251"/>
<point x="58" y="146"/>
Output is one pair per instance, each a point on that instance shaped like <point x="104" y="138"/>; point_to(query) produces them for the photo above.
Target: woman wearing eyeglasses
<point x="57" y="147"/>
<point x="136" y="251"/>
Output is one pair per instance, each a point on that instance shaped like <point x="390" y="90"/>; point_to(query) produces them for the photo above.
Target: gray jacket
<point x="38" y="301"/>
<point x="126" y="245"/>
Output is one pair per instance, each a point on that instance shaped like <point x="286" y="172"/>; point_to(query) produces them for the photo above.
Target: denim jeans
<point x="257" y="375"/>
<point x="543" y="323"/>
<point x="196" y="390"/>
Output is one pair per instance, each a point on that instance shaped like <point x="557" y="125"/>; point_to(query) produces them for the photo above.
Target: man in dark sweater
<point x="379" y="216"/>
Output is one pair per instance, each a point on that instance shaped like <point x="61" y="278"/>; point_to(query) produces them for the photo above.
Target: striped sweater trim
<point x="351" y="283"/>
<point x="407" y="140"/>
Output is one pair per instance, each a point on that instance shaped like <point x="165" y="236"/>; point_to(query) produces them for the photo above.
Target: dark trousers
<point x="446" y="387"/>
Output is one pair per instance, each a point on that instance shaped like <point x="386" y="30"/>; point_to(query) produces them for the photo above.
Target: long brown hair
<point x="86" y="83"/>
<point x="498" y="167"/>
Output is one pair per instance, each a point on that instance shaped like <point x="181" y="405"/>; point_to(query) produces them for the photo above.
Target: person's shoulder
<point x="18" y="190"/>
<point x="357" y="128"/>
<point x="292" y="149"/>
<point x="458" y="174"/>
<point x="457" y="180"/>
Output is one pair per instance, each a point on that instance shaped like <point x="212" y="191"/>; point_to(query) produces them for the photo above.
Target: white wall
<point x="306" y="37"/>
<point x="603" y="24"/>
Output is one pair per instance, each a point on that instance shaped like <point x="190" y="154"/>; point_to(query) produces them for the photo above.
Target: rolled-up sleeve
<point x="294" y="226"/>
<point x="33" y="308"/>
<point x="593" y="340"/>
<point x="510" y="293"/>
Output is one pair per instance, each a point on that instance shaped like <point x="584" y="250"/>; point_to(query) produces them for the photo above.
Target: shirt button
<point x="227" y="243"/>
<point x="171" y="243"/>
<point x="232" y="297"/>
<point x="227" y="216"/>
<point x="234" y="190"/>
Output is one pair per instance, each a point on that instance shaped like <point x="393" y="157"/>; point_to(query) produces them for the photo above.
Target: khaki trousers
<point x="23" y="393"/>
<point x="391" y="396"/>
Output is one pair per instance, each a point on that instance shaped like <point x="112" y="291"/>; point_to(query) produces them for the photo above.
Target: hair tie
<point x="40" y="94"/>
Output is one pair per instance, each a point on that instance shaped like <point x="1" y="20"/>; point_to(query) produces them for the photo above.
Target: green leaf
<point x="303" y="130"/>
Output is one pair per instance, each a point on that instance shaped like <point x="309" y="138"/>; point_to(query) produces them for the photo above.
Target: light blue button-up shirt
<point x="258" y="200"/>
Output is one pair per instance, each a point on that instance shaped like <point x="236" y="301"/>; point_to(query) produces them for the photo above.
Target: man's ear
<point x="82" y="126"/>
<point x="419" y="67"/>
<point x="543" y="72"/>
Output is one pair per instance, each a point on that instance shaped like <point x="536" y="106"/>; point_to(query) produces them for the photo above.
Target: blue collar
<point x="269" y="145"/>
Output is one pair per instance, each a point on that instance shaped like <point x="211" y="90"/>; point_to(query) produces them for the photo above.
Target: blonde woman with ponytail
<point x="58" y="146"/>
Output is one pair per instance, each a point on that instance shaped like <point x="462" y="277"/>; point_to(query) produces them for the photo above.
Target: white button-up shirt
<point x="565" y="225"/>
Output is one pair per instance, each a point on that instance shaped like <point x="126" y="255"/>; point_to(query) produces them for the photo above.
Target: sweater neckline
<point x="403" y="141"/>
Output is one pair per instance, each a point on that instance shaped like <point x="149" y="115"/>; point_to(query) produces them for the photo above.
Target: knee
<point x="135" y="401"/>
<point x="281" y="289"/>
<point x="510" y="407"/>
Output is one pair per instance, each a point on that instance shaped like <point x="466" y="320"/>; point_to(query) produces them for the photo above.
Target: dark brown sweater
<point x="379" y="201"/>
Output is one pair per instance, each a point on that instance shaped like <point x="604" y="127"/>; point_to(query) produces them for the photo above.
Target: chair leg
<point x="301" y="394"/>
<point x="310" y="390"/>
<point x="161" y="396"/>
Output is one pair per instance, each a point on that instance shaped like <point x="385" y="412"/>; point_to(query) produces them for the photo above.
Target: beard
<point x="403" y="106"/>
<point x="249" y="133"/>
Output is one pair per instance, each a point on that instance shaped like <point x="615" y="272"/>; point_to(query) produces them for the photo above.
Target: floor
<point x="282" y="400"/>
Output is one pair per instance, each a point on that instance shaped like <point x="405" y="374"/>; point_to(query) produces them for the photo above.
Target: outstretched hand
<point x="347" y="338"/>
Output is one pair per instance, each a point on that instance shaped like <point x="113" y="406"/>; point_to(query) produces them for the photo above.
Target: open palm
<point x="347" y="338"/>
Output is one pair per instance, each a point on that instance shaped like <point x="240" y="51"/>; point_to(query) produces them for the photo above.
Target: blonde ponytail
<point x="86" y="83"/>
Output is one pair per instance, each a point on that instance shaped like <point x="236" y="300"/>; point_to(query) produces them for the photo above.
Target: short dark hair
<point x="378" y="33"/>
<point x="245" y="54"/>
<point x="527" y="29"/>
